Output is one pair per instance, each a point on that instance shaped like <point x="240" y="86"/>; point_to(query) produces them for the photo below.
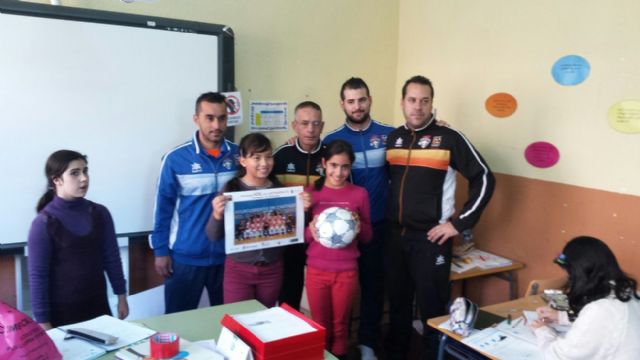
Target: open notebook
<point x="73" y="348"/>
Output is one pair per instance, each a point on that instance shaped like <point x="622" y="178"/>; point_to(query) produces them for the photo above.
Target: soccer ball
<point x="336" y="227"/>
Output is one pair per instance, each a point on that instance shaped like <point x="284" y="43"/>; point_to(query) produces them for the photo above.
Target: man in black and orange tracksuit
<point x="298" y="164"/>
<point x="423" y="159"/>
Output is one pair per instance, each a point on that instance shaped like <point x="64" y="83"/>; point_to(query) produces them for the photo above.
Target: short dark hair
<point x="353" y="83"/>
<point x="308" y="104"/>
<point x="594" y="273"/>
<point x="210" y="97"/>
<point x="418" y="79"/>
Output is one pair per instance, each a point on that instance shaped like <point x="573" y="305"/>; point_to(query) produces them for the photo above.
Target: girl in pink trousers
<point x="332" y="274"/>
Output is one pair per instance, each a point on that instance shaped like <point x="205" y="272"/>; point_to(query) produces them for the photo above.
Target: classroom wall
<point x="531" y="220"/>
<point x="472" y="49"/>
<point x="294" y="50"/>
<point x="289" y="50"/>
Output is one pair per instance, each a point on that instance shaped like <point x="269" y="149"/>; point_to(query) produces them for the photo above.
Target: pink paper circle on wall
<point x="542" y="154"/>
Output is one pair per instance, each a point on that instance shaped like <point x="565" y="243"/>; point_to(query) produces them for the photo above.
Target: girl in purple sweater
<point x="72" y="243"/>
<point x="332" y="274"/>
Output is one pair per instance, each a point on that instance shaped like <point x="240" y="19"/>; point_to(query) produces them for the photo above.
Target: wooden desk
<point x="502" y="272"/>
<point x="513" y="307"/>
<point x="200" y="324"/>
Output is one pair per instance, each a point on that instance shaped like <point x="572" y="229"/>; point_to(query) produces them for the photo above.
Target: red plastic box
<point x="304" y="346"/>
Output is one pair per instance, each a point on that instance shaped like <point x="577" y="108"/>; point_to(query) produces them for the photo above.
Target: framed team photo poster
<point x="263" y="219"/>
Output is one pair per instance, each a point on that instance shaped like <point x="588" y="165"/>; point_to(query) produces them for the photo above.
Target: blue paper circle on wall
<point x="570" y="70"/>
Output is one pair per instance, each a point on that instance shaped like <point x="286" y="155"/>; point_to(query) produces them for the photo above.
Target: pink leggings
<point x="247" y="282"/>
<point x="330" y="296"/>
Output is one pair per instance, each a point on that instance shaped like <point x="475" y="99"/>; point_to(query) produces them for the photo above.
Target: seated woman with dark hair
<point x="603" y="303"/>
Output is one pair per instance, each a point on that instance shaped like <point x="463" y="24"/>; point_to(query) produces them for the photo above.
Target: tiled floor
<point x="354" y="353"/>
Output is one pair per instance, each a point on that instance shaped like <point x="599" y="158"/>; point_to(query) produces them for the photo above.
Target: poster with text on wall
<point x="261" y="219"/>
<point x="501" y="105"/>
<point x="234" y="108"/>
<point x="268" y="116"/>
<point x="624" y="116"/>
<point x="542" y="154"/>
<point x="570" y="70"/>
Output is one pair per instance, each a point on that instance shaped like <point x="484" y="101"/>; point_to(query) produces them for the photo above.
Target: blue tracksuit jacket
<point x="189" y="179"/>
<point x="369" y="169"/>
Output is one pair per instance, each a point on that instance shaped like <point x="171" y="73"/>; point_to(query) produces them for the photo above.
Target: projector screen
<point x="119" y="88"/>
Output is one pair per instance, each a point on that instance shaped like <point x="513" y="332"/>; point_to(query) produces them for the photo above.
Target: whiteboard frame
<point x="225" y="53"/>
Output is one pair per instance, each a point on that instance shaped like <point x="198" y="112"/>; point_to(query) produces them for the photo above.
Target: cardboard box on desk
<point x="304" y="346"/>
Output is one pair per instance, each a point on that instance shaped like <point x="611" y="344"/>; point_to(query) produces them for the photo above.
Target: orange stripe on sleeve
<point x="431" y="158"/>
<point x="296" y="180"/>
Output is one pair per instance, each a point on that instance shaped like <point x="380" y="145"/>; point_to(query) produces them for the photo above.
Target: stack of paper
<point x="515" y="340"/>
<point x="74" y="348"/>
<point x="505" y="341"/>
<point x="274" y="324"/>
<point x="127" y="333"/>
<point x="478" y="258"/>
<point x="487" y="260"/>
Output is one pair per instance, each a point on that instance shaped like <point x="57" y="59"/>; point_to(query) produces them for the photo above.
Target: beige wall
<point x="295" y="50"/>
<point x="531" y="220"/>
<point x="472" y="49"/>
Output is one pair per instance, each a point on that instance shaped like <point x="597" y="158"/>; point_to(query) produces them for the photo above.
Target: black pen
<point x="516" y="323"/>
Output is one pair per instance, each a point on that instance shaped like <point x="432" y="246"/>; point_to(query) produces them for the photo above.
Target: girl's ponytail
<point x="319" y="183"/>
<point x="45" y="199"/>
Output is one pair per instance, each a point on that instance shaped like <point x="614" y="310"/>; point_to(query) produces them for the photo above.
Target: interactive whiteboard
<point x="119" y="88"/>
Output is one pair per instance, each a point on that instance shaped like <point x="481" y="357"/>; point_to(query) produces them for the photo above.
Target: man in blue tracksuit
<point x="190" y="176"/>
<point x="368" y="139"/>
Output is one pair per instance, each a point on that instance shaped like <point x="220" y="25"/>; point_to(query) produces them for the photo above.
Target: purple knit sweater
<point x="76" y="218"/>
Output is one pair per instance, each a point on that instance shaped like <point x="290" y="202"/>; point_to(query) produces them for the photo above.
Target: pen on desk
<point x="139" y="355"/>
<point x="516" y="323"/>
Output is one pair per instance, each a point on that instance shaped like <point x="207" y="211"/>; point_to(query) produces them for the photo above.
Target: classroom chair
<point x="538" y="286"/>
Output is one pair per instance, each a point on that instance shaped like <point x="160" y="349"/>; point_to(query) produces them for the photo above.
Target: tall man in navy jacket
<point x="423" y="160"/>
<point x="368" y="138"/>
<point x="190" y="176"/>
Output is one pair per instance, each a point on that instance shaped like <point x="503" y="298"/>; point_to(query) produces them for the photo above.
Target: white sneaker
<point x="418" y="326"/>
<point x="367" y="353"/>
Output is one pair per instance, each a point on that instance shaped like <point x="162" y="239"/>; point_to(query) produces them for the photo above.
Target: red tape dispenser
<point x="164" y="345"/>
